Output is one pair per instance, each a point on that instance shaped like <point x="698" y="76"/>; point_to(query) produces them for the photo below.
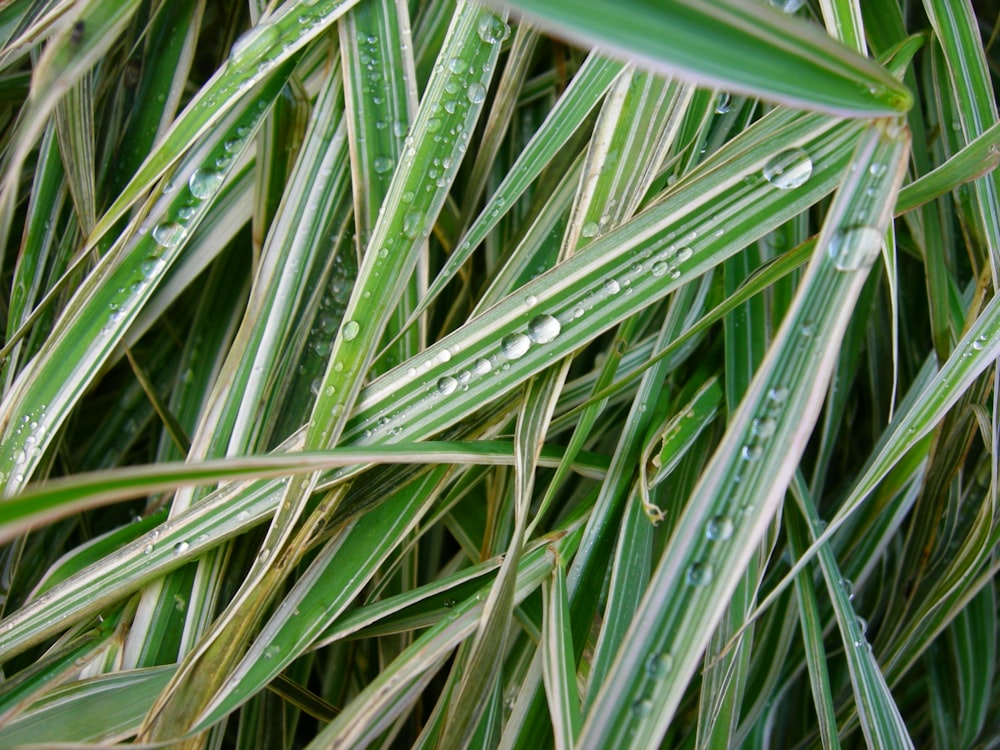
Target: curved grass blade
<point x="736" y="45"/>
<point x="741" y="487"/>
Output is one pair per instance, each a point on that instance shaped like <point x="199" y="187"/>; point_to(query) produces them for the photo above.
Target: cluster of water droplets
<point x="29" y="432"/>
<point x="329" y="315"/>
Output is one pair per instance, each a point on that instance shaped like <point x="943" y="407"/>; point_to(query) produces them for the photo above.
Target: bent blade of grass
<point x="747" y="477"/>
<point x="737" y="45"/>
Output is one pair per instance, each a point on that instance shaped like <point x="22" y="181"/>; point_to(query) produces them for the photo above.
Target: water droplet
<point x="642" y="707"/>
<point x="778" y="395"/>
<point x="531" y="300"/>
<point x="684" y="254"/>
<point x="764" y="427"/>
<point x="457" y="65"/>
<point x="515" y="346"/>
<point x="350" y="330"/>
<point x="658" y="666"/>
<point x="447" y="385"/>
<point x="752" y="451"/>
<point x="723" y="104"/>
<point x="482" y="366"/>
<point x="611" y="286"/>
<point x="719" y="528"/>
<point x="413" y="223"/>
<point x="980" y="343"/>
<point x="203" y="183"/>
<point x="788" y="169"/>
<point x="476" y="93"/>
<point x="180" y="548"/>
<point x="854" y="248"/>
<point x="590" y="229"/>
<point x="168" y="234"/>
<point x="659" y="268"/>
<point x="147" y="549"/>
<point x="543" y="328"/>
<point x="699" y="574"/>
<point x="789" y="6"/>
<point x="491" y="29"/>
<point x="848" y="588"/>
<point x="862" y="625"/>
<point x="271" y="651"/>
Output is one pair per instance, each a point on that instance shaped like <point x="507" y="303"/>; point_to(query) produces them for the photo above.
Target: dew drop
<point x="611" y="286"/>
<point x="491" y="29"/>
<point x="788" y="169"/>
<point x="514" y="346"/>
<point x="684" y="254"/>
<point x="147" y="549"/>
<point x="589" y="229"/>
<point x="482" y="366"/>
<point x="543" y="328"/>
<point x="447" y="385"/>
<point x="203" y="183"/>
<point x="752" y="452"/>
<point x="980" y="343"/>
<point x="181" y="547"/>
<point x="719" y="528"/>
<point x="382" y="164"/>
<point x="642" y="707"/>
<point x="413" y="223"/>
<point x="699" y="574"/>
<point x="723" y="104"/>
<point x="350" y="330"/>
<point x="476" y="93"/>
<point x="788" y="6"/>
<point x="847" y="586"/>
<point x="168" y="234"/>
<point x="854" y="248"/>
<point x="659" y="268"/>
<point x="659" y="666"/>
<point x="764" y="427"/>
<point x="778" y="395"/>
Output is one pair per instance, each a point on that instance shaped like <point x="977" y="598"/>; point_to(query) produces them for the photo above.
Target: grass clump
<point x="437" y="374"/>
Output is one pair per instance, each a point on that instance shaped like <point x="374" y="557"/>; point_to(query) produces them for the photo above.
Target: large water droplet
<point x="476" y="93"/>
<point x="168" y="234"/>
<point x="764" y="427"/>
<point x="413" y="223"/>
<point x="719" y="528"/>
<point x="382" y="164"/>
<point x="699" y="574"/>
<point x="204" y="182"/>
<point x="611" y="286"/>
<point x="854" y="248"/>
<point x="543" y="328"/>
<point x="515" y="346"/>
<point x="482" y="366"/>
<point x="658" y="666"/>
<point x="181" y="547"/>
<point x="350" y="330"/>
<point x="788" y="169"/>
<point x="491" y="29"/>
<point x="447" y="385"/>
<point x="659" y="268"/>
